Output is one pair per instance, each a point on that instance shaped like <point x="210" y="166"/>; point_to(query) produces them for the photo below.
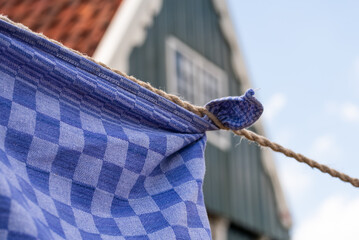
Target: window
<point x="197" y="80"/>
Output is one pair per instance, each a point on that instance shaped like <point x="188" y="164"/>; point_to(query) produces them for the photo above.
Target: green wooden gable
<point x="236" y="185"/>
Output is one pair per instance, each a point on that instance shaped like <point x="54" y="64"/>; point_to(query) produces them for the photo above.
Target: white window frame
<point x="220" y="138"/>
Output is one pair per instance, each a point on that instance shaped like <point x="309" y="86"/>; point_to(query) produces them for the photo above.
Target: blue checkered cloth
<point x="236" y="112"/>
<point x="88" y="154"/>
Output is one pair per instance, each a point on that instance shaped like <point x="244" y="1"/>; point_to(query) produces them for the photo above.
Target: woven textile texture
<point x="88" y="154"/>
<point x="236" y="112"/>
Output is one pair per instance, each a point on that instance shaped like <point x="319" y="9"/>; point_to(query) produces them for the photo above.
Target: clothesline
<point x="249" y="135"/>
<point x="202" y="111"/>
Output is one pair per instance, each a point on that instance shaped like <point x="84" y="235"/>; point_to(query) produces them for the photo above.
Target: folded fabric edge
<point x="184" y="110"/>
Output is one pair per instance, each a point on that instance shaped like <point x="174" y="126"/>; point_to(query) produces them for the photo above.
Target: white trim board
<point x="126" y="31"/>
<point x="220" y="138"/>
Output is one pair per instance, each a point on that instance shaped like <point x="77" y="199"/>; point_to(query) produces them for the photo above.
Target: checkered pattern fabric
<point x="236" y="112"/>
<point x="88" y="154"/>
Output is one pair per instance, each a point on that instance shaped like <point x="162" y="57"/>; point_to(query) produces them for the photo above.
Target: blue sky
<point x="304" y="57"/>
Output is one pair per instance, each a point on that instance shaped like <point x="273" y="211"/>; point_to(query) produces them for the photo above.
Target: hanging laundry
<point x="87" y="154"/>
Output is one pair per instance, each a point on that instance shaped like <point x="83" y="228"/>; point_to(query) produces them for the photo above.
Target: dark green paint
<point x="236" y="185"/>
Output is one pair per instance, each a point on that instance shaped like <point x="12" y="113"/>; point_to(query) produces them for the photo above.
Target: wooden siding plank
<point x="236" y="187"/>
<point x="263" y="198"/>
<point x="255" y="182"/>
<point x="235" y="184"/>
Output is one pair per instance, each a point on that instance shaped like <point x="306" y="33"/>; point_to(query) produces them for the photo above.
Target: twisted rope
<point x="201" y="111"/>
<point x="265" y="142"/>
<point x="262" y="141"/>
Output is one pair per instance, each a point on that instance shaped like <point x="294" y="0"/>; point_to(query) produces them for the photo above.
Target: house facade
<point x="187" y="48"/>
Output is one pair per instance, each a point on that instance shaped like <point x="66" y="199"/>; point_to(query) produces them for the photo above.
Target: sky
<point x="304" y="57"/>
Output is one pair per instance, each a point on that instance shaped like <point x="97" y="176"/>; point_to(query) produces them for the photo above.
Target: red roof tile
<point x="78" y="24"/>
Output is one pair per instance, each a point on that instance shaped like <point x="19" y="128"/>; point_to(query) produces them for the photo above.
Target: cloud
<point x="337" y="218"/>
<point x="350" y="112"/>
<point x="347" y="112"/>
<point x="275" y="104"/>
<point x="325" y="149"/>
